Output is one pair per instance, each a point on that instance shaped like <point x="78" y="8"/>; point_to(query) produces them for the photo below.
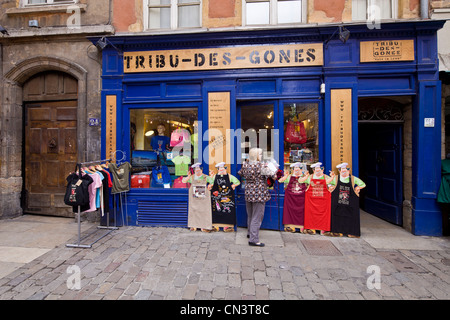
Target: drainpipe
<point x="424" y="4"/>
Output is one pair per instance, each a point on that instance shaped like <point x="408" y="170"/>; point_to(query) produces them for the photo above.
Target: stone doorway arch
<point x="12" y="123"/>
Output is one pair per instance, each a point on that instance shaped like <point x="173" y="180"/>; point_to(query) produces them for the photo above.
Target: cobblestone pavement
<point x="143" y="263"/>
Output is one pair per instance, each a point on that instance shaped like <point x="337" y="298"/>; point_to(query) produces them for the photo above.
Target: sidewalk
<point x="174" y="263"/>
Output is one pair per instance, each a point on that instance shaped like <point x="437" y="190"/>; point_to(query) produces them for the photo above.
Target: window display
<point x="301" y="133"/>
<point x="161" y="146"/>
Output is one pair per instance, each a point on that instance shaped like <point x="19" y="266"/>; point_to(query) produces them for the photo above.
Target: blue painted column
<point x="426" y="138"/>
<point x="426" y="159"/>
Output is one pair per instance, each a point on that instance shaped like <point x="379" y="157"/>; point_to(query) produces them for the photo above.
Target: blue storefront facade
<point x="265" y="78"/>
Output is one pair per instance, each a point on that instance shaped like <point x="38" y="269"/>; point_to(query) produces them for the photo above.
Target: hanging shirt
<point x="181" y="165"/>
<point x="109" y="178"/>
<point x="194" y="142"/>
<point x="121" y="177"/>
<point x="93" y="191"/>
<point x="99" y="191"/>
<point x="159" y="143"/>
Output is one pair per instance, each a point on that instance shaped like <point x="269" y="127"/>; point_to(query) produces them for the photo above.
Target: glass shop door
<point x="288" y="132"/>
<point x="258" y="124"/>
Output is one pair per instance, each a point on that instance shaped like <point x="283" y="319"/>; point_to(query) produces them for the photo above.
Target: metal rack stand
<point x="111" y="229"/>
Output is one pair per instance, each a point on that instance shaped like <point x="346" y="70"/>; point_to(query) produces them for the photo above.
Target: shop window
<point x="164" y="143"/>
<point x="172" y="14"/>
<point x="301" y="133"/>
<point x="264" y="12"/>
<point x="374" y="10"/>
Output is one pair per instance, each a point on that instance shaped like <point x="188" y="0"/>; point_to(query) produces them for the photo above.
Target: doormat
<point x="320" y="248"/>
<point x="400" y="262"/>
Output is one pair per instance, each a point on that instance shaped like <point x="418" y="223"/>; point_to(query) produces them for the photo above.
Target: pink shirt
<point x="93" y="191"/>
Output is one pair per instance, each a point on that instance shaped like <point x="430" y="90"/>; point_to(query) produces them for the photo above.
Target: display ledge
<point x="157" y="191"/>
<point x="45" y="9"/>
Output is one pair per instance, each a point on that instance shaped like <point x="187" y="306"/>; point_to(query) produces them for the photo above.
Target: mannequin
<point x="317" y="201"/>
<point x="199" y="214"/>
<point x="345" y="203"/>
<point x="160" y="142"/>
<point x="223" y="203"/>
<point x="294" y="198"/>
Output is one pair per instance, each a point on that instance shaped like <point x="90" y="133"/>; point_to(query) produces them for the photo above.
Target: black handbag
<point x="77" y="190"/>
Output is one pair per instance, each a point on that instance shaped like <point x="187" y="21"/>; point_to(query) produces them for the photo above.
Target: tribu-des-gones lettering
<point x="255" y="57"/>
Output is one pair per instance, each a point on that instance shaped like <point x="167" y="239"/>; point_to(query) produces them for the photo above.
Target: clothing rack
<point x="111" y="229"/>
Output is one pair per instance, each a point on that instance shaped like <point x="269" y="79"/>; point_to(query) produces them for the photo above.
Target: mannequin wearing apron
<point x="345" y="204"/>
<point x="223" y="204"/>
<point x="199" y="214"/>
<point x="294" y="200"/>
<point x="317" y="201"/>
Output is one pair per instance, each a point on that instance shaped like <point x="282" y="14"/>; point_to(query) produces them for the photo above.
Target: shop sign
<point x="387" y="50"/>
<point x="293" y="55"/>
<point x="341" y="127"/>
<point x="219" y="128"/>
<point x="111" y="107"/>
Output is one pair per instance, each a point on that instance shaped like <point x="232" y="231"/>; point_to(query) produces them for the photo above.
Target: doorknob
<point x="52" y="143"/>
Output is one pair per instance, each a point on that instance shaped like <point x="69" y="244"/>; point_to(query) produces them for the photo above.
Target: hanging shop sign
<point x="293" y="55"/>
<point x="341" y="127"/>
<point x="387" y="50"/>
<point x="219" y="128"/>
<point x="111" y="107"/>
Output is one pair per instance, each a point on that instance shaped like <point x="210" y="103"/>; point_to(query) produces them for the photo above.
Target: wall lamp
<point x="103" y="43"/>
<point x="344" y="34"/>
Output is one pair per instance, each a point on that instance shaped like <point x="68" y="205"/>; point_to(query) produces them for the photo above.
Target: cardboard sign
<point x="387" y="50"/>
<point x="292" y="55"/>
<point x="218" y="124"/>
<point x="341" y="127"/>
<point x="111" y="106"/>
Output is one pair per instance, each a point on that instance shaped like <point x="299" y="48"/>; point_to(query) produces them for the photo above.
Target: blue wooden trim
<point x="341" y="69"/>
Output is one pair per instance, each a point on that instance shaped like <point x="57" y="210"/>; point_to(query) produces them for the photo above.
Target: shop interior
<point x="163" y="146"/>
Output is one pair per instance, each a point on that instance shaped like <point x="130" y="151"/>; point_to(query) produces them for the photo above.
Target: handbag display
<point x="140" y="181"/>
<point x="178" y="137"/>
<point x="178" y="183"/>
<point x="160" y="177"/>
<point x="77" y="190"/>
<point x="295" y="132"/>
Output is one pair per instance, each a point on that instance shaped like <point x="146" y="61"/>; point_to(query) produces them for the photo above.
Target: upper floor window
<point x="172" y="14"/>
<point x="374" y="9"/>
<point x="272" y="12"/>
<point x="41" y="2"/>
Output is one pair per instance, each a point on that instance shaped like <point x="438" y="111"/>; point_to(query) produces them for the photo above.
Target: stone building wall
<point x="59" y="44"/>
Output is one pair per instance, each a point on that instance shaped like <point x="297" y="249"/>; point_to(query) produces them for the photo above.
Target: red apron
<point x="318" y="206"/>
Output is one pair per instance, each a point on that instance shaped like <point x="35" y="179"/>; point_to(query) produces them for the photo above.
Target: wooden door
<point x="381" y="170"/>
<point x="50" y="140"/>
<point x="51" y="153"/>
